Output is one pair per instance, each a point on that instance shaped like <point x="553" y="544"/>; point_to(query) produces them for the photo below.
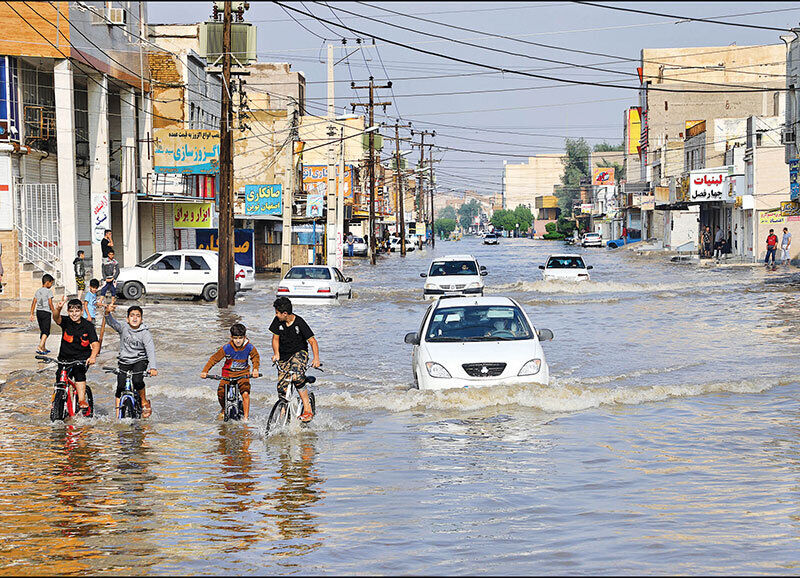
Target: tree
<point x="523" y="217"/>
<point x="552" y="233"/>
<point x="448" y="212"/>
<point x="576" y="169"/>
<point x="445" y="225"/>
<point x="606" y="147"/>
<point x="504" y="219"/>
<point x="467" y="212"/>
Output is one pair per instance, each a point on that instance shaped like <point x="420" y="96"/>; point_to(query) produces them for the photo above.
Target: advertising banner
<point x="193" y="152"/>
<point x="100" y="215"/>
<point x="314" y="205"/>
<point x="315" y="181"/>
<point x="243" y="249"/>
<point x="634" y="130"/>
<point x="790" y="208"/>
<point x="794" y="179"/>
<point x="192" y="215"/>
<point x="263" y="199"/>
<point x="710" y="185"/>
<point x="602" y="176"/>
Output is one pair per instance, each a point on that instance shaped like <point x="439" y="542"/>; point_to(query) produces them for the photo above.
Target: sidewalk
<point x="18" y="337"/>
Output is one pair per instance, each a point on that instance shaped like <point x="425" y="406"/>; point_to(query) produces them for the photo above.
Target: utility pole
<point x="330" y="204"/>
<point x="430" y="186"/>
<point x="420" y="194"/>
<point x="340" y="203"/>
<point x="400" y="204"/>
<point x="371" y="105"/>
<point x="226" y="290"/>
<point x="288" y="194"/>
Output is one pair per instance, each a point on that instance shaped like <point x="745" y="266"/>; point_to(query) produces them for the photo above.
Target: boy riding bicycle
<point x="136" y="353"/>
<point x="290" y="340"/>
<point x="78" y="343"/>
<point x="237" y="353"/>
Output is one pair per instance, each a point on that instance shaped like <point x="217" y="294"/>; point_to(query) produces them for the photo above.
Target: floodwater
<point x="667" y="441"/>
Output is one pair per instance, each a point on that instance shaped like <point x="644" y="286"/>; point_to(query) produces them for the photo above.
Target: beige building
<point x="524" y="182"/>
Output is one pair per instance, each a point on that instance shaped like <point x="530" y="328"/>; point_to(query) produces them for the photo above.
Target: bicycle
<point x="234" y="406"/>
<point x="65" y="395"/>
<point x="130" y="405"/>
<point x="289" y="406"/>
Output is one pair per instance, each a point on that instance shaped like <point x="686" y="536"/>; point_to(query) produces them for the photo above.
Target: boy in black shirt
<point x="291" y="336"/>
<point x="78" y="342"/>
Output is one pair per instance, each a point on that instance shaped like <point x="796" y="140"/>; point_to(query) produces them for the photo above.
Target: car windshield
<point x="592" y="235"/>
<point x="442" y="268"/>
<point x="149" y="260"/>
<point x="478" y="323"/>
<point x="565" y="263"/>
<point x="308" y="273"/>
<point x="358" y="240"/>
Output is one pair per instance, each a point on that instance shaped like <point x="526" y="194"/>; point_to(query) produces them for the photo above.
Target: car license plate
<point x="452" y="292"/>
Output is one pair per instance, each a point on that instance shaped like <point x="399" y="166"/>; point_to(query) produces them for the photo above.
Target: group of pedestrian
<point x="714" y="244"/>
<point x="772" y="248"/>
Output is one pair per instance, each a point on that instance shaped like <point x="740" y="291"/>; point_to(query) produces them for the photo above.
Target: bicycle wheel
<point x="126" y="408"/>
<point x="88" y="412"/>
<point x="279" y="416"/>
<point x="58" y="409"/>
<point x="313" y="403"/>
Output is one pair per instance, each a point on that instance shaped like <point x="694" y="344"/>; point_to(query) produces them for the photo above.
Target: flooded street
<point x="666" y="442"/>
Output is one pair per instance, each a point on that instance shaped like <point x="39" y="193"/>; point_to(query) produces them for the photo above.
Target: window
<point x="168" y="263"/>
<point x="478" y="323"/>
<point x="565" y="263"/>
<point x="339" y="276"/>
<point x="149" y="260"/>
<point x="308" y="273"/>
<point x="442" y="268"/>
<point x="195" y="263"/>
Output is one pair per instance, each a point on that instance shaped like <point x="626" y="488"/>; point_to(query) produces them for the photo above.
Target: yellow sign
<point x="602" y="176"/>
<point x="192" y="215"/>
<point x="634" y="130"/>
<point x="661" y="195"/>
<point x="771" y="218"/>
<point x="790" y="208"/>
<point x="192" y="152"/>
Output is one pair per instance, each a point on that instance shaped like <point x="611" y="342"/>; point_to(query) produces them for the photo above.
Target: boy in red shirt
<point x="237" y="353"/>
<point x="772" y="246"/>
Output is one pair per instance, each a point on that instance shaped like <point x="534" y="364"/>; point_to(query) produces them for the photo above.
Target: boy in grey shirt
<point x="110" y="274"/>
<point x="136" y="352"/>
<point x="43" y="307"/>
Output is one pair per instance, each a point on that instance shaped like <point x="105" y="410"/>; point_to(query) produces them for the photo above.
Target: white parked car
<point x="491" y="239"/>
<point x="183" y="272"/>
<point x="454" y="275"/>
<point x="565" y="268"/>
<point x="592" y="240"/>
<point x="359" y="247"/>
<point x="394" y="244"/>
<point x="315" y="281"/>
<point x="477" y="342"/>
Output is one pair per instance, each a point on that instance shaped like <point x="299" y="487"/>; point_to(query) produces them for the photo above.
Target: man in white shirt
<point x="786" y="242"/>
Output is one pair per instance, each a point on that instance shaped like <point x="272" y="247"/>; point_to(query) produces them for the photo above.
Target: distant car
<point x="359" y="247"/>
<point x="565" y="268"/>
<point x="183" y="272"/>
<point x="315" y="281"/>
<point x="491" y="239"/>
<point x="592" y="240"/>
<point x="394" y="244"/>
<point x="454" y="275"/>
<point x="477" y="342"/>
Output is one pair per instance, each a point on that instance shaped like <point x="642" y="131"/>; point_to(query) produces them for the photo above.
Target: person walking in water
<point x="786" y="242"/>
<point x="772" y="246"/>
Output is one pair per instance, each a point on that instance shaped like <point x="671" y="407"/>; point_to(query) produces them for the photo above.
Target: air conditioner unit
<point x="116" y="16"/>
<point x="788" y="136"/>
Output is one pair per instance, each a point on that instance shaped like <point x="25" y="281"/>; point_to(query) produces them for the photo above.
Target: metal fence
<point x="38" y="226"/>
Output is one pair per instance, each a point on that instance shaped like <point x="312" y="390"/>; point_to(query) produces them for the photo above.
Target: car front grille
<point x="453" y="287"/>
<point x="484" y="369"/>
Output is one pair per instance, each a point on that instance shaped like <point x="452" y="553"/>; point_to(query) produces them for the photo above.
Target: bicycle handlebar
<point x="117" y="371"/>
<point x="59" y="362"/>
<point x="219" y="377"/>
<point x="309" y="366"/>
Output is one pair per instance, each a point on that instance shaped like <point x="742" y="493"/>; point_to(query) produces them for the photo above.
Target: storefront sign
<point x="648" y="202"/>
<point x="586" y="208"/>
<point x="661" y="195"/>
<point x="771" y="218"/>
<point x="314" y="206"/>
<point x="192" y="215"/>
<point x="602" y="176"/>
<point x="315" y="181"/>
<point x="100" y="215"/>
<point x="263" y="199"/>
<point x="790" y="208"/>
<point x="243" y="249"/>
<point x="5" y="136"/>
<point x="794" y="179"/>
<point x="706" y="186"/>
<point x="193" y="152"/>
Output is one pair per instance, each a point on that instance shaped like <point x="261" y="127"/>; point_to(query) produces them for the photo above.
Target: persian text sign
<point x="242" y="244"/>
<point x="193" y="152"/>
<point x="794" y="179"/>
<point x="315" y="179"/>
<point x="705" y="186"/>
<point x="790" y="208"/>
<point x="263" y="199"/>
<point x="602" y="176"/>
<point x="192" y="215"/>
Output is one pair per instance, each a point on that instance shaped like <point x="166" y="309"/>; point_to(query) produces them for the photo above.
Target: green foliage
<point x="467" y="212"/>
<point x="523" y="217"/>
<point x="565" y="226"/>
<point x="448" y="213"/>
<point x="552" y="233"/>
<point x="550" y="227"/>
<point x="576" y="169"/>
<point x="444" y="226"/>
<point x="504" y="219"/>
<point x="606" y="147"/>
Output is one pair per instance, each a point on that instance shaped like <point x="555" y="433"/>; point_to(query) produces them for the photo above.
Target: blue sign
<point x="263" y="199"/>
<point x="243" y="249"/>
<point x="794" y="180"/>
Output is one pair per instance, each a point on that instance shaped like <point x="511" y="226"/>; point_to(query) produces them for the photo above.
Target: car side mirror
<point x="412" y="339"/>
<point x="348" y="279"/>
<point x="590" y="267"/>
<point x="545" y="335"/>
<point x="541" y="267"/>
<point x="483" y="268"/>
<point x="484" y="272"/>
<point x="423" y="275"/>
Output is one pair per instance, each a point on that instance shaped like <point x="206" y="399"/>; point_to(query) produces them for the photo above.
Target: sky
<point x="483" y="117"/>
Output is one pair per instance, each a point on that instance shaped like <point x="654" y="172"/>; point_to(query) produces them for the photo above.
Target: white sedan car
<point x="394" y="244"/>
<point x="565" y="268"/>
<point x="315" y="281"/>
<point x="454" y="275"/>
<point x="592" y="240"/>
<point x="477" y="342"/>
<point x="183" y="272"/>
<point x="491" y="239"/>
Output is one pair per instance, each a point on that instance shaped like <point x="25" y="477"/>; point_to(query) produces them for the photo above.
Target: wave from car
<point x="477" y="342"/>
<point x="316" y="282"/>
<point x="182" y="272"/>
<point x="565" y="268"/>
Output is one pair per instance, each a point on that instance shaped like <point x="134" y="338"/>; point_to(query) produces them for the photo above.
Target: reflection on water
<point x="666" y="441"/>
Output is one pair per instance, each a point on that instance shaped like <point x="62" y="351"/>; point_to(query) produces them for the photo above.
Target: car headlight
<point x="430" y="286"/>
<point x="531" y="368"/>
<point x="436" y="370"/>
